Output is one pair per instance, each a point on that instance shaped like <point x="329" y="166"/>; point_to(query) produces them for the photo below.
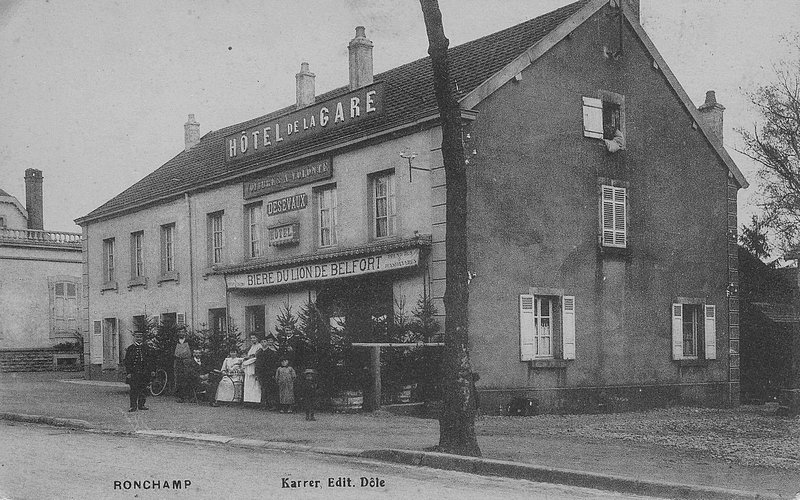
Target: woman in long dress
<point x="231" y="376"/>
<point x="252" y="387"/>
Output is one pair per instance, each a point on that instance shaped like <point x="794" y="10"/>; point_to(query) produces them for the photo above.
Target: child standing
<point x="309" y="393"/>
<point x="285" y="376"/>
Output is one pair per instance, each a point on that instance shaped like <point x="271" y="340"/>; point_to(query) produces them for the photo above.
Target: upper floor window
<point x="137" y="254"/>
<point x="215" y="238"/>
<point x="167" y="248"/>
<point x="383" y="205"/>
<point x="327" y="216"/>
<point x="604" y="117"/>
<point x="253" y="229"/>
<point x="2" y="222"/>
<point x="614" y="216"/>
<point x="108" y="260"/>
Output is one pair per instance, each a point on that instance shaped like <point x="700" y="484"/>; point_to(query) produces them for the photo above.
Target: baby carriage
<point x="231" y="386"/>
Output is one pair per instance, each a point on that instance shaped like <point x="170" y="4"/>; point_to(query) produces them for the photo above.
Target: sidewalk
<point x="598" y="461"/>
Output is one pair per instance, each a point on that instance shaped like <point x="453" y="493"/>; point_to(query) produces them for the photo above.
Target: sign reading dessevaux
<point x="288" y="204"/>
<point x="288" y="179"/>
<point x="328" y="270"/>
<point x="358" y="105"/>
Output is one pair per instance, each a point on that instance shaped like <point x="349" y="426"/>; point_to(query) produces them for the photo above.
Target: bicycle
<point x="158" y="382"/>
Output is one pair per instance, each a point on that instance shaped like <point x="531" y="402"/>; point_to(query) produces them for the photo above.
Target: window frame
<point x="391" y="204"/>
<point x="596" y="111"/>
<point x="66" y="324"/>
<point x="215" y="227"/>
<point x="137" y="255"/>
<point x="561" y="309"/>
<point x="333" y="218"/>
<point x="168" y="257"/>
<point x="610" y="209"/>
<point x="109" y="269"/>
<point x="703" y="337"/>
<point x="253" y="231"/>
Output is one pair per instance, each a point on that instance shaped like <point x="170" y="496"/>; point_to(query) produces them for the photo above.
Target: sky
<point x="95" y="93"/>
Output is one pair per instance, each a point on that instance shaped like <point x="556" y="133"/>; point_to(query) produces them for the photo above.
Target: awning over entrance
<point x="357" y="261"/>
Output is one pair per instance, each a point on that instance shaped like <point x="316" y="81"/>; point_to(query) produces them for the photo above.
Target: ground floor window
<point x="356" y="304"/>
<point x="547" y="326"/>
<point x="694" y="330"/>
<point x="254" y="320"/>
<point x="217" y="320"/>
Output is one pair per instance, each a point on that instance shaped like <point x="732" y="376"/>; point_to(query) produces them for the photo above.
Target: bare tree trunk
<point x="457" y="420"/>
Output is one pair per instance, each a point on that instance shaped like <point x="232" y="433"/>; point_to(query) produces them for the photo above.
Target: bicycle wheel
<point x="158" y="383"/>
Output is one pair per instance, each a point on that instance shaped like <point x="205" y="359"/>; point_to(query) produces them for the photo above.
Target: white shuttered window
<point x="694" y="331"/>
<point x="542" y="330"/>
<point x="614" y="216"/>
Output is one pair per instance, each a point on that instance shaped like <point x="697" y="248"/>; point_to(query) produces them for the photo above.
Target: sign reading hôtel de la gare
<point x="343" y="268"/>
<point x="358" y="105"/>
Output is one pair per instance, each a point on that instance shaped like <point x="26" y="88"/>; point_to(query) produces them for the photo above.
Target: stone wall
<point x="39" y="360"/>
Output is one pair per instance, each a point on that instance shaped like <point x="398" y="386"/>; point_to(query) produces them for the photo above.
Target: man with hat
<point x="139" y="369"/>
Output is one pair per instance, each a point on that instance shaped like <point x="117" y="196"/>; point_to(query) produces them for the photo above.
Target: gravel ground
<point x="748" y="435"/>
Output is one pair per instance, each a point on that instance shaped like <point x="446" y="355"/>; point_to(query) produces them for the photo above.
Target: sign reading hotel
<point x="329" y="270"/>
<point x="284" y="235"/>
<point x="288" y="178"/>
<point x="356" y="106"/>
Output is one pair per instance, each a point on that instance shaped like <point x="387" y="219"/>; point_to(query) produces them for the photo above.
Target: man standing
<point x="139" y="369"/>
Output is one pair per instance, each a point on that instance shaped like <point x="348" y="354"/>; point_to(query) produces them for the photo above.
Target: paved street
<point x="38" y="462"/>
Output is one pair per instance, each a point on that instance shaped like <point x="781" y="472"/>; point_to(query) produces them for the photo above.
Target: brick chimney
<point x="305" y="86"/>
<point x="191" y="133"/>
<point x="711" y="114"/>
<point x="360" y="49"/>
<point x="34" y="202"/>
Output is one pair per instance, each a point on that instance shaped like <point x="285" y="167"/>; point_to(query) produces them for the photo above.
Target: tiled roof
<point x="409" y="97"/>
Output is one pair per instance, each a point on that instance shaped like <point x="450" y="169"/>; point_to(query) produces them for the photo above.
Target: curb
<point x="516" y="470"/>
<point x="72" y="423"/>
<point x="436" y="460"/>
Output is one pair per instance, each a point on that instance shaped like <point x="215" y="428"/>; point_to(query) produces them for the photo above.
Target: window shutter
<point x="117" y="344"/>
<point x="180" y="320"/>
<point x="677" y="331"/>
<point x="96" y="345"/>
<point x="614" y="216"/>
<point x="592" y="118"/>
<point x="711" y="332"/>
<point x="568" y="326"/>
<point x="527" y="337"/>
<point x="620" y="218"/>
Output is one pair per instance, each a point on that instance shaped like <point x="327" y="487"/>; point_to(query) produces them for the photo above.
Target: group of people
<point x="265" y="374"/>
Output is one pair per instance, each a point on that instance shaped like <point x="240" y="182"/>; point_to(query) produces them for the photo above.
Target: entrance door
<point x="357" y="302"/>
<point x="110" y="344"/>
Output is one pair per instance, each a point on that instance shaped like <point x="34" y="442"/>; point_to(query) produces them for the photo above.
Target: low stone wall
<point x="40" y="360"/>
<point x="603" y="400"/>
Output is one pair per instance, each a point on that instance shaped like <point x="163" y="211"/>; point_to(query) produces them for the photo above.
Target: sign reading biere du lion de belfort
<point x="358" y="105"/>
<point x="327" y="270"/>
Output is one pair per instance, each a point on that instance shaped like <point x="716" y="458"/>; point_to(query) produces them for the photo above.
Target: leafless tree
<point x="775" y="144"/>
<point x="457" y="419"/>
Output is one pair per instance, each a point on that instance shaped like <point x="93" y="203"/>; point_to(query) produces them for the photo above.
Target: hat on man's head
<point x="310" y="371"/>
